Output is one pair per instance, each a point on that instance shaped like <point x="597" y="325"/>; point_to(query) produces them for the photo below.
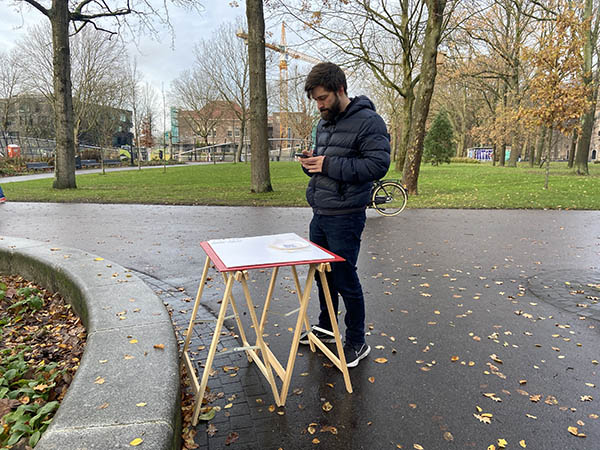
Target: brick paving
<point x="240" y="388"/>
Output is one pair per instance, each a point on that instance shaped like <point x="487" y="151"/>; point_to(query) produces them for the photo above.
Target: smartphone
<point x="300" y="155"/>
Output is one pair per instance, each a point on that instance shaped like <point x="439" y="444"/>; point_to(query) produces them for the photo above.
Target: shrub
<point x="464" y="160"/>
<point x="438" y="145"/>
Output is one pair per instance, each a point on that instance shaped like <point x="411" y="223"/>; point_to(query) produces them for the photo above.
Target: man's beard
<point x="329" y="114"/>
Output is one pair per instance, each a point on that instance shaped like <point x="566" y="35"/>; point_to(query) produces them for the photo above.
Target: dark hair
<point x="328" y="75"/>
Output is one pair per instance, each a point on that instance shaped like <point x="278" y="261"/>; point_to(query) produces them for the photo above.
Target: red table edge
<point x="221" y="267"/>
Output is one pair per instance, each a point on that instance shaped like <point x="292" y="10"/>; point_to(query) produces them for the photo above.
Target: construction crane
<point x="285" y="53"/>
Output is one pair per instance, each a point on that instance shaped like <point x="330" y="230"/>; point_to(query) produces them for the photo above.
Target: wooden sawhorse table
<point x="235" y="258"/>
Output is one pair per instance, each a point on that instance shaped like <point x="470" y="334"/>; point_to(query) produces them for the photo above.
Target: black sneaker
<point x="325" y="336"/>
<point x="354" y="354"/>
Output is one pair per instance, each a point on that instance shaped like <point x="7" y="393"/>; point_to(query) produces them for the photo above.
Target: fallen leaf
<point x="327" y="407"/>
<point x="160" y="346"/>
<point x="99" y="380"/>
<point x="381" y="360"/>
<point x="211" y="430"/>
<point x="140" y="405"/>
<point x="316" y="441"/>
<point x="103" y="406"/>
<point x="502" y="443"/>
<point x="133" y="341"/>
<point x="329" y="429"/>
<point x="417" y="447"/>
<point x="371" y="379"/>
<point x="448" y="436"/>
<point x="495" y="358"/>
<point x="575" y="432"/>
<point x="454" y="358"/>
<point x="483" y="419"/>
<point x="208" y="415"/>
<point x="231" y="438"/>
<point x="136" y="442"/>
<point x="522" y="443"/>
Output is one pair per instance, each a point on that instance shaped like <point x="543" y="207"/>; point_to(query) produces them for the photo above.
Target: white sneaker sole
<point x="357" y="360"/>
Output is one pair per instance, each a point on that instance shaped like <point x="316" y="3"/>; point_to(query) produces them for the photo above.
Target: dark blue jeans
<point x="341" y="235"/>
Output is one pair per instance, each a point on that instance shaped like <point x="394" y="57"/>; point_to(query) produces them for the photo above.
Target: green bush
<point x="439" y="145"/>
<point x="464" y="160"/>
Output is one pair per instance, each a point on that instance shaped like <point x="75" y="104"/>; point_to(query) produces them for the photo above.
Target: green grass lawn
<point x="447" y="186"/>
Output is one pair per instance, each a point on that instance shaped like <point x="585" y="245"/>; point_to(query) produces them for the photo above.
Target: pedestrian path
<point x="472" y="315"/>
<point x="39" y="176"/>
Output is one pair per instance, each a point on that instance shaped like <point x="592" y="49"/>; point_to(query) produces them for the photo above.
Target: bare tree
<point x="11" y="80"/>
<point x="134" y="81"/>
<point x="79" y="14"/>
<point x="223" y="59"/>
<point x="196" y="94"/>
<point x="395" y="40"/>
<point x="303" y="114"/>
<point x="95" y="61"/>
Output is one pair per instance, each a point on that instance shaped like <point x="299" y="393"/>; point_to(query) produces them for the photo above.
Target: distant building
<point x="33" y="116"/>
<point x="28" y="115"/>
<point x="219" y="122"/>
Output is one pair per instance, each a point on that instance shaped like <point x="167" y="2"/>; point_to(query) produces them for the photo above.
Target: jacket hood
<point x="358" y="103"/>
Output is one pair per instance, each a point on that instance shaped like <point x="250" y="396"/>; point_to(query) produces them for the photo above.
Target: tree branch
<point x="39" y="7"/>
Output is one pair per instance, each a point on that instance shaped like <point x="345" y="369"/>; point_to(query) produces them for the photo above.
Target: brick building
<point x="219" y="123"/>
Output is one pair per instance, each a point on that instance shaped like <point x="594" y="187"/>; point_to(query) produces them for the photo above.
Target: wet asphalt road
<point x="449" y="306"/>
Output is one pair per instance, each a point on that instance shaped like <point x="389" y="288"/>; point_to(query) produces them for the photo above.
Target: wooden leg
<point x="212" y="350"/>
<point x="266" y="365"/>
<point x="237" y="316"/>
<point x="296" y="339"/>
<point x="263" y="318"/>
<point x="336" y="331"/>
<point x="188" y="335"/>
<point x="299" y="292"/>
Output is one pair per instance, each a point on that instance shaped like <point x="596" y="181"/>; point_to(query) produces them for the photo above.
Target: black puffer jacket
<point x="356" y="146"/>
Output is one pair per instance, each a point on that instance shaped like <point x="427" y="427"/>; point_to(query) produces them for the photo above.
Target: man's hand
<point x="313" y="164"/>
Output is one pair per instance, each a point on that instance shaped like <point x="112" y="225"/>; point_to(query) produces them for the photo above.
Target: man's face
<point x="328" y="102"/>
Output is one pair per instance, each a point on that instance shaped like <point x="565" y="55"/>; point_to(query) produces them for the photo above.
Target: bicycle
<point x="388" y="197"/>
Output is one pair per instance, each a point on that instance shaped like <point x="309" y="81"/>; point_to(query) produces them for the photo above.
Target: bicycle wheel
<point x="389" y="198"/>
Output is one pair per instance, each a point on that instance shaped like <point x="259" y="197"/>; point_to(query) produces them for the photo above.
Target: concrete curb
<point x="124" y="321"/>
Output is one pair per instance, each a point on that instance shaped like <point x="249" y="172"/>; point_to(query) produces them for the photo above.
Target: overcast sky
<point x="158" y="61"/>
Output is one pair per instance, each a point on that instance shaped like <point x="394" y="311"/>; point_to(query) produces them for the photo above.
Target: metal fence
<point x="37" y="149"/>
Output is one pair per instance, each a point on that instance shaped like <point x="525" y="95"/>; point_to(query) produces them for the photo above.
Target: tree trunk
<point x="572" y="150"/>
<point x="531" y="152"/>
<point x="240" y="148"/>
<point x="407" y="112"/>
<point x="547" y="178"/>
<point x="259" y="164"/>
<point x="541" y="146"/>
<point x="64" y="166"/>
<point x="515" y="152"/>
<point x="433" y="32"/>
<point x="583" y="145"/>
